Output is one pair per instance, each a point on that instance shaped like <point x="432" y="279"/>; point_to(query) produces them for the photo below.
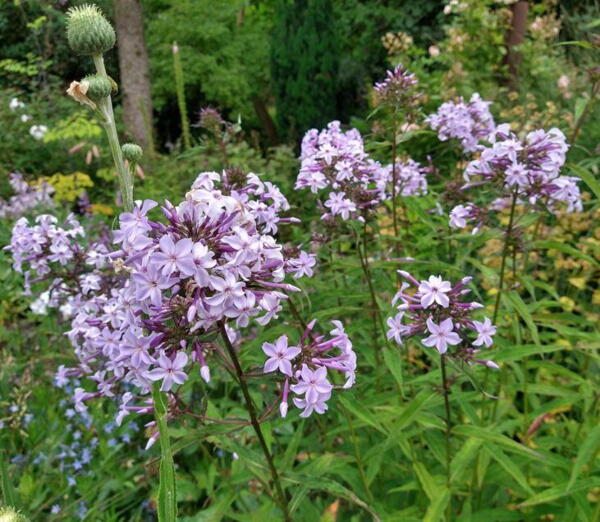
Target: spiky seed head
<point x="8" y="514"/>
<point x="88" y="31"/>
<point x="132" y="152"/>
<point x="99" y="87"/>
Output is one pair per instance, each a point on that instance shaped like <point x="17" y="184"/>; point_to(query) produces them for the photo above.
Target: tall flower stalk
<point x="280" y="496"/>
<point x="397" y="95"/>
<point x="508" y="236"/>
<point x="180" y="90"/>
<point x="108" y="122"/>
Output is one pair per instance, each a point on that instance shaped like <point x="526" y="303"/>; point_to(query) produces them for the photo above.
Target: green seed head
<point x="99" y="87"/>
<point x="88" y="31"/>
<point x="132" y="152"/>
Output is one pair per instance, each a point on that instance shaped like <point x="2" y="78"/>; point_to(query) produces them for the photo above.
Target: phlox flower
<point x="441" y="335"/>
<point x="485" y="331"/>
<point x="434" y="291"/>
<point x="280" y="355"/>
<point x="170" y="371"/>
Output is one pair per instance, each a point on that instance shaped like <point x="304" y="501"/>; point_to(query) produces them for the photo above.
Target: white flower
<point x="25" y="118"/>
<point x="15" y="104"/>
<point x="38" y="131"/>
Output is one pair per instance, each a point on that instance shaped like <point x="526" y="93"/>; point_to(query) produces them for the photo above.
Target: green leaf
<point x="463" y="458"/>
<point x="428" y="484"/>
<point x="8" y="492"/>
<point x="519" y="305"/>
<point x="510" y="467"/>
<point x="496" y="438"/>
<point x="435" y="511"/>
<point x="586" y="453"/>
<point x="167" y="495"/>
<point x="392" y="359"/>
<point x="565" y="249"/>
<point x="562" y="490"/>
<point x="362" y="414"/>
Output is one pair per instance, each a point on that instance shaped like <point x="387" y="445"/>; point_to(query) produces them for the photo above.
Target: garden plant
<point x="384" y="309"/>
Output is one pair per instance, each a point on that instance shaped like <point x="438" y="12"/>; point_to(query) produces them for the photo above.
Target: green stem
<point x="445" y="388"/>
<point x="394" y="180"/>
<point x="281" y="497"/>
<point x="167" y="494"/>
<point x="507" y="236"/>
<point x="108" y="122"/>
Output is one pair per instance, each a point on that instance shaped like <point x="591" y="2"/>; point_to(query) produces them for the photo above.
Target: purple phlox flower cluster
<point x="468" y="122"/>
<point x="335" y="162"/>
<point x="174" y="282"/>
<point x="528" y="168"/>
<point x="26" y="197"/>
<point x="436" y="313"/>
<point x="305" y="367"/>
<point x="411" y="178"/>
<point x="47" y="251"/>
<point x="398" y="90"/>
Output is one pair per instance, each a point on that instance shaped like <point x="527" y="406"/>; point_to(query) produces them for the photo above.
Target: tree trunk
<point x="135" y="72"/>
<point x="266" y="120"/>
<point x="515" y="36"/>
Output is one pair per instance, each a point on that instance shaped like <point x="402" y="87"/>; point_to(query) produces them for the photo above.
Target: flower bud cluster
<point x="398" y="90"/>
<point x="468" y="122"/>
<point x="436" y="314"/>
<point x="305" y="367"/>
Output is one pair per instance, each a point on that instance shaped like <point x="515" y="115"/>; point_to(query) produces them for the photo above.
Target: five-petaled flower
<point x="280" y="356"/>
<point x="170" y="371"/>
<point x="434" y="291"/>
<point x="441" y="335"/>
<point x="485" y="331"/>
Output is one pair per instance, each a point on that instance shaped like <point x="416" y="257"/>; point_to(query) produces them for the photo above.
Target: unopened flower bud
<point x="88" y="31"/>
<point x="132" y="152"/>
<point x="98" y="87"/>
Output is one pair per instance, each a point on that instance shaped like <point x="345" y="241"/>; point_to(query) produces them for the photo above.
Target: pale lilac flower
<point x="170" y="371"/>
<point x="280" y="355"/>
<point x="441" y="335"/>
<point x="175" y="256"/>
<point x="150" y="284"/>
<point x="485" y="331"/>
<point x="303" y="265"/>
<point x="434" y="291"/>
<point x="312" y="384"/>
<point x="459" y="216"/>
<point x="469" y="122"/>
<point x="396" y="327"/>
